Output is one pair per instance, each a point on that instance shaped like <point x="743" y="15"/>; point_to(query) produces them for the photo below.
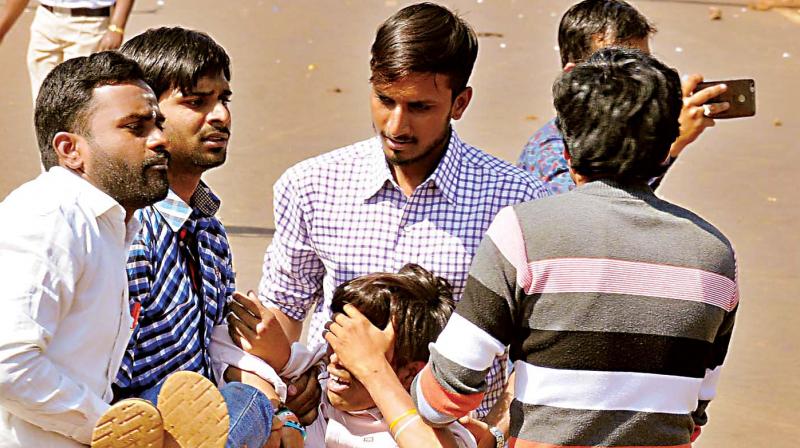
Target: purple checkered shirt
<point x="341" y="215"/>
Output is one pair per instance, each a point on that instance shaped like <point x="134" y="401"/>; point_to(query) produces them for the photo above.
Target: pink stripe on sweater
<point x="506" y="235"/>
<point x="609" y="276"/>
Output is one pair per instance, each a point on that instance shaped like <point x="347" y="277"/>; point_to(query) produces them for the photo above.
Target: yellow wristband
<point x="115" y="29"/>
<point x="405" y="425"/>
<point x="394" y="423"/>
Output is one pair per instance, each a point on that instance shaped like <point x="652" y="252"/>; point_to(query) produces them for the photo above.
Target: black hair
<point x="618" y="112"/>
<point x="616" y="21"/>
<point x="417" y="302"/>
<point x="65" y="98"/>
<point x="424" y="38"/>
<point x="174" y="57"/>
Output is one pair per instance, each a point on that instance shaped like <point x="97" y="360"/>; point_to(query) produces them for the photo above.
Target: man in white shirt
<point x="64" y="237"/>
<point x="65" y="29"/>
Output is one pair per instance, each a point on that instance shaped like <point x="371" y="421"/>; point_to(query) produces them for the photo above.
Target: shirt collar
<point x="175" y="211"/>
<point x="372" y="413"/>
<point x="95" y="199"/>
<point x="445" y="176"/>
<point x="613" y="189"/>
<point x="448" y="172"/>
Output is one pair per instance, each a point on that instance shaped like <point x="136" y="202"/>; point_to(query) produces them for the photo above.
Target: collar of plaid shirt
<point x="445" y="177"/>
<point x="175" y="211"/>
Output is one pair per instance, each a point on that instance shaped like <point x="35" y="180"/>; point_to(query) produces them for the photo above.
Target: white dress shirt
<point x="64" y="314"/>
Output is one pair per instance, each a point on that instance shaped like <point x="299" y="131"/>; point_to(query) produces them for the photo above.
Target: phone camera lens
<point x="741" y="98"/>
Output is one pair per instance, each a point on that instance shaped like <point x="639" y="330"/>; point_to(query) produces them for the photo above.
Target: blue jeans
<point x="249" y="410"/>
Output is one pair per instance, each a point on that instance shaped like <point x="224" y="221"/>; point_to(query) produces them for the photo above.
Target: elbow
<point x="15" y="362"/>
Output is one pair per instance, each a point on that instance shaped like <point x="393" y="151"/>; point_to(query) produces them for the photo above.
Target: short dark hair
<point x="418" y="303"/>
<point x="615" y="20"/>
<point x="424" y="38"/>
<point x="64" y="100"/>
<point x="174" y="57"/>
<point x="618" y="112"/>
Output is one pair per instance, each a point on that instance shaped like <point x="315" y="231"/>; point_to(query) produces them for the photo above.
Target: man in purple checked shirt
<point x="414" y="193"/>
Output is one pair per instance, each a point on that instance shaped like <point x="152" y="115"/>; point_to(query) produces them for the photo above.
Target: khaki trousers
<point x="56" y="37"/>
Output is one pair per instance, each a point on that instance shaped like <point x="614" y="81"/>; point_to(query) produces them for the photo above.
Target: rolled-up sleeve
<point x="292" y="271"/>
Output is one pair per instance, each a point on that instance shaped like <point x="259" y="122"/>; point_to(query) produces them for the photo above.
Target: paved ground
<point x="300" y="83"/>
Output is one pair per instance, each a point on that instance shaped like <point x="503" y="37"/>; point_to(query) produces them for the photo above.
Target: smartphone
<point x="741" y="95"/>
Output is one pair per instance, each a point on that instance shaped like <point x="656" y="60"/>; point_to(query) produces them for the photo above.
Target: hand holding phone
<point x="740" y="95"/>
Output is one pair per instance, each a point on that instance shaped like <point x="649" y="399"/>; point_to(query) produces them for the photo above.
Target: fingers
<point x="711" y="109"/>
<point x="241" y="333"/>
<point x="277" y="424"/>
<point x="292" y="438"/>
<point x="352" y="311"/>
<point x="705" y="95"/>
<point x="274" y="440"/>
<point x="249" y="302"/>
<point x="243" y="315"/>
<point x="308" y="418"/>
<point x="232" y="374"/>
<point x="690" y="83"/>
<point x="305" y="404"/>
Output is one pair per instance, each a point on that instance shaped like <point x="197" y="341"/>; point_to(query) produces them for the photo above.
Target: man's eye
<point x="195" y="102"/>
<point x="134" y="126"/>
<point x="385" y="100"/>
<point x="420" y="107"/>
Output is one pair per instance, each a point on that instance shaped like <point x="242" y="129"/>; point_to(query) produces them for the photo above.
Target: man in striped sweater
<point x="618" y="324"/>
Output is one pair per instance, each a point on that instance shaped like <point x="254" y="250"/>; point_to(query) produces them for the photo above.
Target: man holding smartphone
<point x="585" y="28"/>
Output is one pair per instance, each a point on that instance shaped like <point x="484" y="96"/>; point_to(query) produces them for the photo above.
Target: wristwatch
<point x="499" y="437"/>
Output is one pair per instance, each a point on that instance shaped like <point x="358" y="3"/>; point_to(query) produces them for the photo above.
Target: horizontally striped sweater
<point x="618" y="309"/>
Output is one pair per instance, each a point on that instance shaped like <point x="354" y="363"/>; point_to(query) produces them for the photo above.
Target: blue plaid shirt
<point x="174" y="325"/>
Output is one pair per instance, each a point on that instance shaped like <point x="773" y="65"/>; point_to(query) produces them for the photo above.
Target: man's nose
<point x="397" y="124"/>
<point x="220" y="114"/>
<point x="157" y="141"/>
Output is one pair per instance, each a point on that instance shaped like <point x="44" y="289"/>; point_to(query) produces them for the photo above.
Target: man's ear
<point x="407" y="373"/>
<point x="461" y="102"/>
<point x="569" y="66"/>
<point x="568" y="158"/>
<point x="65" y="144"/>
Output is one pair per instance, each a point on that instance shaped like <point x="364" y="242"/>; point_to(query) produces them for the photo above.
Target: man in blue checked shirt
<point x="179" y="267"/>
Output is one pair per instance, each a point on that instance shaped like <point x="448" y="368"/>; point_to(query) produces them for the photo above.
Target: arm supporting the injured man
<point x="454" y="381"/>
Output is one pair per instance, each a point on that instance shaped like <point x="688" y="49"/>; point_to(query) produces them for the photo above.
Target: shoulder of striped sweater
<point x="701" y="225"/>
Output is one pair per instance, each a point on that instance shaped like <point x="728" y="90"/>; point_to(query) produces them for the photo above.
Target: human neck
<point x="183" y="184"/>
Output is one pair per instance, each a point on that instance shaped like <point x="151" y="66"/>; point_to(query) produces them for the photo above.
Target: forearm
<point x="394" y="401"/>
<point x="292" y="328"/>
<point x="11" y="13"/>
<point x="499" y="416"/>
<point x="251" y="379"/>
<point x="122" y="10"/>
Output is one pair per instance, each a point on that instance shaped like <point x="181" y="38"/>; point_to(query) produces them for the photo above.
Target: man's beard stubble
<point x="440" y="142"/>
<point x="133" y="187"/>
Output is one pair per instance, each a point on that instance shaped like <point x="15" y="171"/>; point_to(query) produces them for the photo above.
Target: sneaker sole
<point x="193" y="411"/>
<point x="132" y="423"/>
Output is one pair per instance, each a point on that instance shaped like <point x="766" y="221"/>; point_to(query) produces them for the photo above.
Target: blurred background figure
<point x="65" y="29"/>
